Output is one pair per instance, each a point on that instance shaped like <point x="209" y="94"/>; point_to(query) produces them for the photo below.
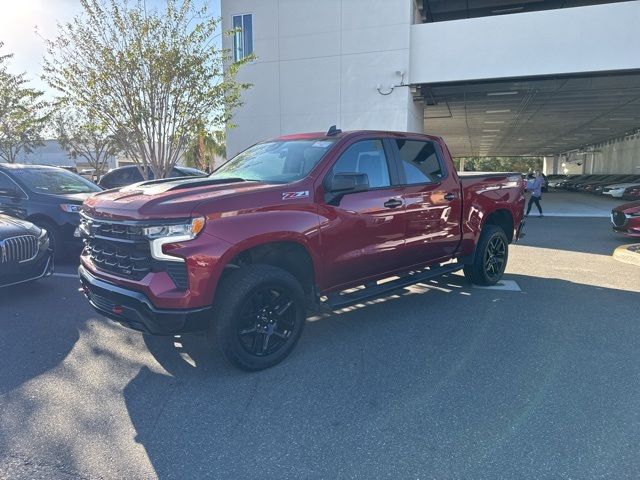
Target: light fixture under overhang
<point x="494" y="130"/>
<point x="498" y="111"/>
<point x="599" y="128"/>
<point x="496" y="121"/>
<point x="495" y="94"/>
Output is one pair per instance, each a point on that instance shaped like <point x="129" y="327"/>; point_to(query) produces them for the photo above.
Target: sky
<point x="19" y="19"/>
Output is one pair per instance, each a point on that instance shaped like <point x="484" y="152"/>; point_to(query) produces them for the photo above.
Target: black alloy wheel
<point x="490" y="259"/>
<point x="266" y="321"/>
<point x="259" y="314"/>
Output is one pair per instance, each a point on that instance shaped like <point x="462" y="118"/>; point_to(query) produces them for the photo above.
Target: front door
<point x="362" y="233"/>
<point x="11" y="197"/>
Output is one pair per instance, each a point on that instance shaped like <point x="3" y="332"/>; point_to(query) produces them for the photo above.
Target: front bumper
<point x="134" y="310"/>
<point x="41" y="267"/>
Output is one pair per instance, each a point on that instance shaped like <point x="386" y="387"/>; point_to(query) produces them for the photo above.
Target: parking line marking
<point x="506" y="285"/>
<point x="65" y="275"/>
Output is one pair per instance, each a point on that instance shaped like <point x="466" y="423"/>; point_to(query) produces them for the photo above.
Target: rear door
<point x="432" y="200"/>
<point x="362" y="233"/>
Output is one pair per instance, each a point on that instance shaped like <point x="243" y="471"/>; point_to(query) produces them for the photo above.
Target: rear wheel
<point x="490" y="259"/>
<point x="259" y="316"/>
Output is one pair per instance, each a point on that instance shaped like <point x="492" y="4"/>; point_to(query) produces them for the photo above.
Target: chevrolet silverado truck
<point x="290" y="225"/>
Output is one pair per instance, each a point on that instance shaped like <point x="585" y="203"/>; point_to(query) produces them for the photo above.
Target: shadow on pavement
<point x="37" y="334"/>
<point x="439" y="381"/>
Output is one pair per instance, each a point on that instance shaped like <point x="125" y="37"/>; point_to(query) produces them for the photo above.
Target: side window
<point x="242" y="36"/>
<point x="7" y="187"/>
<point x="419" y="161"/>
<point x="367" y="157"/>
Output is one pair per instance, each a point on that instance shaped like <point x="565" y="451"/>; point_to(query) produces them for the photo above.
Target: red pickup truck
<point x="289" y="225"/>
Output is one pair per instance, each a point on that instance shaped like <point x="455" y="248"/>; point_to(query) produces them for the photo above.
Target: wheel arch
<point x="289" y="254"/>
<point x="502" y="218"/>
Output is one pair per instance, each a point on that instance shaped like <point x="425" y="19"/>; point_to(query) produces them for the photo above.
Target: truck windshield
<point x="276" y="162"/>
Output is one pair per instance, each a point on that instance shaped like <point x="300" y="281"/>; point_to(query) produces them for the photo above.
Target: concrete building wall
<point x="319" y="64"/>
<point x="615" y="156"/>
<point x="550" y="42"/>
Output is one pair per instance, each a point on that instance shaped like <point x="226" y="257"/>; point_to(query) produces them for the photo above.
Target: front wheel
<point x="259" y="316"/>
<point x="490" y="259"/>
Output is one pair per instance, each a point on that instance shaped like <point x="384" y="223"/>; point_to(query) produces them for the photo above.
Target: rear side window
<point x="420" y="161"/>
<point x="367" y="157"/>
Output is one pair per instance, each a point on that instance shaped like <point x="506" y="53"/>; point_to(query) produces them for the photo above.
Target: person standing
<point x="536" y="193"/>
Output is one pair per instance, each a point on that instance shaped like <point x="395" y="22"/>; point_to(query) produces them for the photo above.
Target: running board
<point x="341" y="300"/>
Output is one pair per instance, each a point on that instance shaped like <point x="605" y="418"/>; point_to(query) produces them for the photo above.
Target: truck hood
<point x="167" y="198"/>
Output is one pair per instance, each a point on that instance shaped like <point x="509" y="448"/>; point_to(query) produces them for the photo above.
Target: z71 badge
<point x="294" y="195"/>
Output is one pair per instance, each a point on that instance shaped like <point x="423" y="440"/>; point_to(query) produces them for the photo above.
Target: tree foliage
<point x="208" y="151"/>
<point x="84" y="138"/>
<point x="154" y="77"/>
<point x="23" y="113"/>
<point x="502" y="164"/>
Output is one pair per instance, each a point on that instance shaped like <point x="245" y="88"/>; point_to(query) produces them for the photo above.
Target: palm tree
<point x="208" y="152"/>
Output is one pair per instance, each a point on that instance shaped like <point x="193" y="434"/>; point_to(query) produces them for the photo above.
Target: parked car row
<point x="625" y="186"/>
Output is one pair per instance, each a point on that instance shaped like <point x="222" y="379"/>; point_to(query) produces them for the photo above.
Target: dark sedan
<point x="50" y="197"/>
<point x="626" y="219"/>
<point x="25" y="253"/>
<point x="123" y="176"/>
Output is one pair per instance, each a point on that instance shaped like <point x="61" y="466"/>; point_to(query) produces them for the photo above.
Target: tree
<point x="84" y="138"/>
<point x="22" y="113"/>
<point x="502" y="164"/>
<point x="207" y="149"/>
<point x="153" y="77"/>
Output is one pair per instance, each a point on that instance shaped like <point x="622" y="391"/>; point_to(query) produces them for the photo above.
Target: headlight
<point x="634" y="214"/>
<point x="43" y="238"/>
<point x="71" y="207"/>
<point x="190" y="229"/>
<point x="161" y="235"/>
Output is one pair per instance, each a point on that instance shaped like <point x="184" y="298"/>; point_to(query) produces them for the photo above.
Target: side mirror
<point x="342" y="183"/>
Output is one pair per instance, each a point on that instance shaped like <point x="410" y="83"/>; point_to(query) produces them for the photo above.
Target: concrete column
<point x="461" y="169"/>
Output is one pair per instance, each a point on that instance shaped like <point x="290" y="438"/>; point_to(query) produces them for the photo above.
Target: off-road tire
<point x="230" y="318"/>
<point x="478" y="271"/>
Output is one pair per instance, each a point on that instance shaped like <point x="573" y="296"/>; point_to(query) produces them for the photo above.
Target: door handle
<point x="393" y="203"/>
<point x="450" y="196"/>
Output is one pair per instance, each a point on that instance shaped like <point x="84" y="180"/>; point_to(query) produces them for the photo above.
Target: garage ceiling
<point x="443" y="10"/>
<point x="531" y="117"/>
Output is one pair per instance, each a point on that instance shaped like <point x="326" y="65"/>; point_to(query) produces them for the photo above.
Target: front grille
<point x="619" y="219"/>
<point x="121" y="249"/>
<point x="123" y="259"/>
<point x="18" y="249"/>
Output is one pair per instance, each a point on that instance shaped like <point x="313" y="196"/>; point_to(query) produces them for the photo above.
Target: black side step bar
<point x="341" y="300"/>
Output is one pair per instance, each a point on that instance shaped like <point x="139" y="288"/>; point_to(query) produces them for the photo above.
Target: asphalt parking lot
<point x="438" y="381"/>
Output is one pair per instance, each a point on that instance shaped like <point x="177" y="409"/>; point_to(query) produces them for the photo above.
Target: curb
<point x="628" y="254"/>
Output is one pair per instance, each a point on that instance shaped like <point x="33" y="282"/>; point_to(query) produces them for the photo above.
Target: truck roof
<point x="323" y="135"/>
